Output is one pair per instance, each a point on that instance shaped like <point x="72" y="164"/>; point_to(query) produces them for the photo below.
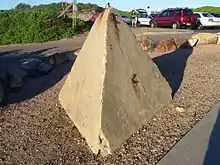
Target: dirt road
<point x="69" y="45"/>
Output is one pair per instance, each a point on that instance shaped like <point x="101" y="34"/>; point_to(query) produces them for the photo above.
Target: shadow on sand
<point x="172" y="66"/>
<point x="213" y="152"/>
<point x="33" y="85"/>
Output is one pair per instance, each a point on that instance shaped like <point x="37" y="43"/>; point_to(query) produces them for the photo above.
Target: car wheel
<point x="175" y="25"/>
<point x="152" y="25"/>
<point x="200" y="26"/>
<point x="193" y="27"/>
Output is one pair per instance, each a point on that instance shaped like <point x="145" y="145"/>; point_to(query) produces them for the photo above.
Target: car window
<point x="217" y="15"/>
<point x="187" y="12"/>
<point x="141" y="10"/>
<point x="170" y="13"/>
<point x="197" y="15"/>
<point x="143" y="15"/>
<point x="178" y="12"/>
<point x="207" y="15"/>
<point x="124" y="16"/>
<point x="164" y="13"/>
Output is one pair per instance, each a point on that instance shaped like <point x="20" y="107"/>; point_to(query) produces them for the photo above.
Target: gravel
<point x="38" y="131"/>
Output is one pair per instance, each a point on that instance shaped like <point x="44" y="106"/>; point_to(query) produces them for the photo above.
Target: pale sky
<point x="123" y="4"/>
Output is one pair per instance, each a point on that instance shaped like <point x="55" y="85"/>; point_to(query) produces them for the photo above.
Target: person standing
<point x="149" y="11"/>
<point x="108" y="5"/>
<point x="134" y="18"/>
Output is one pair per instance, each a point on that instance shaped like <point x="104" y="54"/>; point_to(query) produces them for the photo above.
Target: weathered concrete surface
<point x="206" y="38"/>
<point x="113" y="87"/>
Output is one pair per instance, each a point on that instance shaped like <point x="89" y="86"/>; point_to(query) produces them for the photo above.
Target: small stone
<point x="179" y="109"/>
<point x="77" y="52"/>
<point x="193" y="42"/>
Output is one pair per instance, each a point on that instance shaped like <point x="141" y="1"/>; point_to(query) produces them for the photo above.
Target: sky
<point x="122" y="4"/>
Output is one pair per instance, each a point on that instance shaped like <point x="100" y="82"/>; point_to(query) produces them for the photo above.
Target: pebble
<point x="179" y="109"/>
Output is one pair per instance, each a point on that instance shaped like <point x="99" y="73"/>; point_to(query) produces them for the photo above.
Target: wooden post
<point x="74" y="14"/>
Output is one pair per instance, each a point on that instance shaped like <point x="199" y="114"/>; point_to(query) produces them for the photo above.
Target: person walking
<point x="134" y="18"/>
<point x="149" y="11"/>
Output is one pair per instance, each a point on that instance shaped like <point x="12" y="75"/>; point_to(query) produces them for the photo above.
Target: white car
<point x="207" y="20"/>
<point x="143" y="18"/>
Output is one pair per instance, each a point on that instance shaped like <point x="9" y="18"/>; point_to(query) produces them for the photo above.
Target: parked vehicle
<point x="154" y="15"/>
<point x="207" y="20"/>
<point x="126" y="19"/>
<point x="143" y="17"/>
<point x="175" y="18"/>
<point x="216" y="15"/>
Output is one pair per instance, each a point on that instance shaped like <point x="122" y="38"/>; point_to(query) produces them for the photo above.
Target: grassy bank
<point x="36" y="24"/>
<point x="210" y="9"/>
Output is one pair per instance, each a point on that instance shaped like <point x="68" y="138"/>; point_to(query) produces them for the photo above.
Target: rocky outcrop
<point x="206" y="38"/>
<point x="57" y="58"/>
<point x="166" y="45"/>
<point x="35" y="67"/>
<point x="146" y="42"/>
<point x="13" y="72"/>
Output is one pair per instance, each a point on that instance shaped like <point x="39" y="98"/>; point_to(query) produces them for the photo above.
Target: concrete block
<point x="114" y="87"/>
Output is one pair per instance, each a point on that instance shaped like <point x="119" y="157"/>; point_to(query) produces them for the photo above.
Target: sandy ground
<point x="34" y="129"/>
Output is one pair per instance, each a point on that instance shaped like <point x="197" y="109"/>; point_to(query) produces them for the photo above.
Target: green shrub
<point x="40" y="23"/>
<point x="87" y="7"/>
<point x="124" y="13"/>
<point x="35" y="25"/>
<point x="23" y="6"/>
<point x="210" y="9"/>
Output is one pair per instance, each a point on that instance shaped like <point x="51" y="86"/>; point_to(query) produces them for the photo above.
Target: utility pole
<point x="74" y="13"/>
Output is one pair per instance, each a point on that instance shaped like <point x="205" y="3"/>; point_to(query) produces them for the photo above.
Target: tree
<point x="23" y="6"/>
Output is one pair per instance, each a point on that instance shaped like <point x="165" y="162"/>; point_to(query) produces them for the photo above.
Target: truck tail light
<point x="182" y="19"/>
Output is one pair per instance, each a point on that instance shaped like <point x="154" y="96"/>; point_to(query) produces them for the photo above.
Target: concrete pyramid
<point x="113" y="88"/>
